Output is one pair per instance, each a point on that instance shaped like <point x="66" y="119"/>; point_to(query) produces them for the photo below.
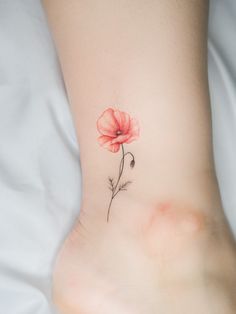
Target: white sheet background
<point x="40" y="183"/>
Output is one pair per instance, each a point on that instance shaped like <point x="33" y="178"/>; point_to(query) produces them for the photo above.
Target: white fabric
<point x="40" y="179"/>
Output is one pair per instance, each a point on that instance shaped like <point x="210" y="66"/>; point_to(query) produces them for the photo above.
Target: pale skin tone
<point x="167" y="247"/>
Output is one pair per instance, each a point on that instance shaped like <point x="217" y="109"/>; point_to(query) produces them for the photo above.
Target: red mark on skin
<point x="170" y="227"/>
<point x="160" y="210"/>
<point x="193" y="221"/>
<point x="174" y="217"/>
<point x="163" y="207"/>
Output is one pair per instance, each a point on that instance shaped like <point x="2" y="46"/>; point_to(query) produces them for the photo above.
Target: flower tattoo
<point x="117" y="128"/>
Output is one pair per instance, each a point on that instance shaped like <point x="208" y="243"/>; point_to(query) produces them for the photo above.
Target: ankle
<point x="187" y="238"/>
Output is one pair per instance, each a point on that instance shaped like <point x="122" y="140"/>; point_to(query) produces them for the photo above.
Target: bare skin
<point x="167" y="247"/>
<point x="170" y="262"/>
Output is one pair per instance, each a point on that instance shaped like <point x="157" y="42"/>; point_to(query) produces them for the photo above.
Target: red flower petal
<point x="123" y="120"/>
<point x="103" y="139"/>
<point x="114" y="148"/>
<point x="133" y="131"/>
<point x="107" y="123"/>
<point x="121" y="139"/>
<point x="112" y="121"/>
<point x="106" y="142"/>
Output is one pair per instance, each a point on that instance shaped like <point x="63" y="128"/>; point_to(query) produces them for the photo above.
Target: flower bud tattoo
<point x="117" y="128"/>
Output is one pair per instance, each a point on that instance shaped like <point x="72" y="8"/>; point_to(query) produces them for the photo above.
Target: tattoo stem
<point x="121" y="168"/>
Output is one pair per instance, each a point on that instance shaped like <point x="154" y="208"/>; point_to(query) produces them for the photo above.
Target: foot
<point x="172" y="259"/>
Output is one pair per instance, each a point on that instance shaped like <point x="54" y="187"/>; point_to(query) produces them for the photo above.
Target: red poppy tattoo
<point x="117" y="128"/>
